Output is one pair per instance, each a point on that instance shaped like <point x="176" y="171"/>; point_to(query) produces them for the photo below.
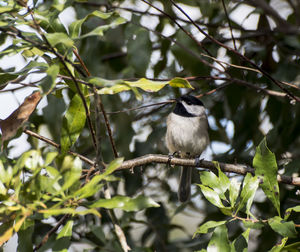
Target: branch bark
<point x="233" y="168"/>
<point x="164" y="159"/>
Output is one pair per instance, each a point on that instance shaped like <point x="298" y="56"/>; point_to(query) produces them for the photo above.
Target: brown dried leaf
<point x="14" y="121"/>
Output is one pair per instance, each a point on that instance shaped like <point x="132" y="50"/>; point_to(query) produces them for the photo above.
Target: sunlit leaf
<point x="75" y="27"/>
<point x="30" y="159"/>
<point x="234" y="189"/>
<point x="284" y="228"/>
<point x="73" y="123"/>
<point x="250" y="186"/>
<point x="59" y="38"/>
<point x="208" y="226"/>
<point x="289" y="210"/>
<point x="71" y="169"/>
<point x="50" y="156"/>
<point x="180" y="83"/>
<point x="266" y="169"/>
<point x="219" y="241"/>
<point x="6" y="235"/>
<point x="99" y="31"/>
<point x="212" y="196"/>
<point x="66" y="231"/>
<point x="48" y="83"/>
<point x="93" y="185"/>
<point x="280" y="246"/>
<point x="219" y="183"/>
<point x="49" y="212"/>
<point x="144" y="84"/>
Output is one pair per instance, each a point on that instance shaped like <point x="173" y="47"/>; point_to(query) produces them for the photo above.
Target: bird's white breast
<point x="187" y="134"/>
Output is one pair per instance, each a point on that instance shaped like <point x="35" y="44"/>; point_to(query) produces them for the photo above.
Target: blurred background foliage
<point x="149" y="44"/>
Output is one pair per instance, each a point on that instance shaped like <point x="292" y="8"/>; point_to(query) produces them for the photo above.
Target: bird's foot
<point x="171" y="156"/>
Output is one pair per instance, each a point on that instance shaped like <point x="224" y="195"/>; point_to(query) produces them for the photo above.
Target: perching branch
<point x="164" y="159"/>
<point x="233" y="168"/>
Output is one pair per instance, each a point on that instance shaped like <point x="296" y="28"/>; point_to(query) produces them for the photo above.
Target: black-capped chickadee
<point x="187" y="135"/>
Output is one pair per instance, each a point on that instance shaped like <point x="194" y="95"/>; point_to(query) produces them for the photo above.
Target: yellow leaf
<point x="5" y="237"/>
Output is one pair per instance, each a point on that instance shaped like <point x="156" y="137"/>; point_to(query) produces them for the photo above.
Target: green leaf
<point x="59" y="38"/>
<point x="73" y="123"/>
<point x="50" y="157"/>
<point x="210" y="179"/>
<point x="126" y="203"/>
<point x="250" y="186"/>
<point x="66" y="231"/>
<point x="284" y="228"/>
<point x="48" y="83"/>
<point x="5" y="78"/>
<point x="289" y="210"/>
<point x="219" y="241"/>
<point x="30" y="159"/>
<point x="98" y="232"/>
<point x="25" y="237"/>
<point x="99" y="31"/>
<point x="280" y="246"/>
<point x="113" y="87"/>
<point x="219" y="183"/>
<point x="266" y="169"/>
<point x="253" y="225"/>
<point x="208" y="227"/>
<point x="59" y="211"/>
<point x="114" y="165"/>
<point x="212" y="196"/>
<point x="75" y="27"/>
<point x="180" y="83"/>
<point x="71" y="169"/>
<point x="92" y="186"/>
<point x="5" y="173"/>
<point x="234" y="189"/>
<point x="292" y="247"/>
<point x="240" y="244"/>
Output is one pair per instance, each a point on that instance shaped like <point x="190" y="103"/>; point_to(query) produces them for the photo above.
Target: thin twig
<point x="181" y="28"/>
<point x="99" y="102"/>
<point x="229" y="24"/>
<point x="277" y="83"/>
<point x="56" y="145"/>
<point x="52" y="231"/>
<point x="186" y="49"/>
<point x="62" y="60"/>
<point x="99" y="106"/>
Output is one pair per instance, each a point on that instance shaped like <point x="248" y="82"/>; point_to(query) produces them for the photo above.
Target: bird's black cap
<point x="191" y="100"/>
<point x="188" y="99"/>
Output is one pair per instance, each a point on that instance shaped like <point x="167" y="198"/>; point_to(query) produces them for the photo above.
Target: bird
<point x="187" y="135"/>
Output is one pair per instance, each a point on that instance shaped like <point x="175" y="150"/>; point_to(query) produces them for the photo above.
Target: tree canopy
<point x="97" y="175"/>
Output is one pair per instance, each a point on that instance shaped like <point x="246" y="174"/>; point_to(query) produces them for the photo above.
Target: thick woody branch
<point x="164" y="159"/>
<point x="233" y="168"/>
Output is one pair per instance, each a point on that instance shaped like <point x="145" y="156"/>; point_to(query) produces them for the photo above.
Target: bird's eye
<point x="188" y="103"/>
